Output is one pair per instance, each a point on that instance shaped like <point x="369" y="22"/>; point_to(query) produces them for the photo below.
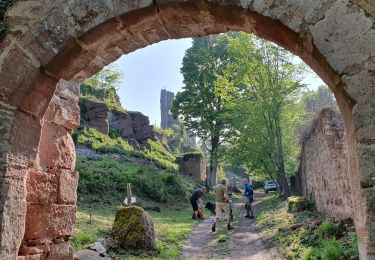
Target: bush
<point x="331" y="250"/>
<point x="327" y="230"/>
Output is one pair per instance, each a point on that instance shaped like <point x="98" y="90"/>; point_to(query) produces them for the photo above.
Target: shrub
<point x="331" y="250"/>
<point x="308" y="254"/>
<point x="327" y="230"/>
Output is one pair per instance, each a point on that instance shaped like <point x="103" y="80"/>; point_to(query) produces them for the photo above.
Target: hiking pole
<point x="241" y="210"/>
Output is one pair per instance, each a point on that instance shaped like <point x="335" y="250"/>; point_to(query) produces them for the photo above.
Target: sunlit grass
<point x="172" y="227"/>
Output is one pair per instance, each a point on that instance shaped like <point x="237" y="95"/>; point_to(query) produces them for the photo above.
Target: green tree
<point x="109" y="77"/>
<point x="269" y="81"/>
<point x="201" y="105"/>
<point x="103" y="86"/>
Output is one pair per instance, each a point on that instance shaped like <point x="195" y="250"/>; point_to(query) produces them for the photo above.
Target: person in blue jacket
<point x="248" y="193"/>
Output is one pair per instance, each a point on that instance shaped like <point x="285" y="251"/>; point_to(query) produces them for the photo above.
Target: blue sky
<point x="148" y="70"/>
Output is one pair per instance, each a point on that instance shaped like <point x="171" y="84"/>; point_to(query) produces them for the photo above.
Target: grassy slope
<point x="102" y="188"/>
<point x="322" y="241"/>
<point x="102" y="143"/>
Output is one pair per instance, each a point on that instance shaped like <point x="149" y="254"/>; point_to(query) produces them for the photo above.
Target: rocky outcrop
<point x="95" y="113"/>
<point x="192" y="164"/>
<point x="131" y="126"/>
<point x="323" y="171"/>
<point x="133" y="229"/>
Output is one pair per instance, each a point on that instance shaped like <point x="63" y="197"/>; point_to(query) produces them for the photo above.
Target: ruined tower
<point x="166" y="100"/>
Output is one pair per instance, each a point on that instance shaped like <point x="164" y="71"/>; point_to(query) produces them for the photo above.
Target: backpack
<point x="199" y="215"/>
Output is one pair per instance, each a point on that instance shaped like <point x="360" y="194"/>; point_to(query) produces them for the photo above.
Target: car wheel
<point x="266" y="191"/>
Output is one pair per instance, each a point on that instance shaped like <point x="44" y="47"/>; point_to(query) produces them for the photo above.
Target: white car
<point x="270" y="185"/>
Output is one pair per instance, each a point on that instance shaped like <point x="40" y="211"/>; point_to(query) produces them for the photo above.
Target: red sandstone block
<point x="42" y="188"/>
<point x="56" y="148"/>
<point x="37" y="99"/>
<point x="17" y="76"/>
<point x="48" y="221"/>
<point x="37" y="242"/>
<point x="61" y="251"/>
<point x="70" y="61"/>
<point x="25" y="136"/>
<point x="29" y="251"/>
<point x="68" y="187"/>
<point x="58" y="240"/>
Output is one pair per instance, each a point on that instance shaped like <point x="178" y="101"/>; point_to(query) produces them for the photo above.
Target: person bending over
<point x="195" y="198"/>
<point x="222" y="204"/>
<point x="248" y="193"/>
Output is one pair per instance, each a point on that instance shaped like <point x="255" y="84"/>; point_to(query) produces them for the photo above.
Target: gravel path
<point x="244" y="242"/>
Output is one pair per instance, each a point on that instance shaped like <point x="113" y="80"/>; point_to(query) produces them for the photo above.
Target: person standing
<point x="248" y="193"/>
<point x="195" y="198"/>
<point x="220" y="192"/>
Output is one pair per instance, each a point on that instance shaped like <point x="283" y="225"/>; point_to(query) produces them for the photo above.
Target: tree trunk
<point x="280" y="158"/>
<point x="213" y="160"/>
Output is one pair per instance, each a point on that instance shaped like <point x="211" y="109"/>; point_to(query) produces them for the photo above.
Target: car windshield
<point x="271" y="182"/>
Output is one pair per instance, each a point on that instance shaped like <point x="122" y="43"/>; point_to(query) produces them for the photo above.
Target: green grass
<point x="113" y="143"/>
<point x="324" y="241"/>
<point x="172" y="227"/>
<point x="103" y="180"/>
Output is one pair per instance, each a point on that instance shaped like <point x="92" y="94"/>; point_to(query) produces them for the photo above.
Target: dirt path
<point x="244" y="242"/>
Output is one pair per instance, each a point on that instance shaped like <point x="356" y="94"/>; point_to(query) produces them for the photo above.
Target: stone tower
<point x="166" y="100"/>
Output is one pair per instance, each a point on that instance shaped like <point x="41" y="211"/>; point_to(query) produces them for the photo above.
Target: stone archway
<point x="52" y="46"/>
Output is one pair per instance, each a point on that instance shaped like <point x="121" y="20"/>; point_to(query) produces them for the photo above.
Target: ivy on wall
<point x="4" y="5"/>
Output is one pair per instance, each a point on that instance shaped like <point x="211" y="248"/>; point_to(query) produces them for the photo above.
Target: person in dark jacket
<point x="195" y="198"/>
<point x="248" y="193"/>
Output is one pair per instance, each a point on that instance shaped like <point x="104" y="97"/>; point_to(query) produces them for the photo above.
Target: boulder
<point x="296" y="204"/>
<point x="133" y="229"/>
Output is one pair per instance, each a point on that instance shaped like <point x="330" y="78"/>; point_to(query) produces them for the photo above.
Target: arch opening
<point x="38" y="141"/>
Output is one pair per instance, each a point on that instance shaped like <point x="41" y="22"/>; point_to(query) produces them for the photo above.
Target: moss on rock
<point x="133" y="229"/>
<point x="296" y="204"/>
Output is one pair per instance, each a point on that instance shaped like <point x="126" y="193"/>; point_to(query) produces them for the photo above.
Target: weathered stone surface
<point x="56" y="149"/>
<point x="192" y="164"/>
<point x="24" y="139"/>
<point x="95" y="113"/>
<point x="68" y="183"/>
<point x="344" y="46"/>
<point x="323" y="172"/>
<point x="42" y="188"/>
<point x="62" y="251"/>
<point x="133" y="229"/>
<point x="63" y="109"/>
<point x="49" y="221"/>
<point x="131" y="125"/>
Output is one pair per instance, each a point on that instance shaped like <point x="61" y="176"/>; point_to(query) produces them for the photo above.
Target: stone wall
<point x="192" y="164"/>
<point x="323" y="172"/>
